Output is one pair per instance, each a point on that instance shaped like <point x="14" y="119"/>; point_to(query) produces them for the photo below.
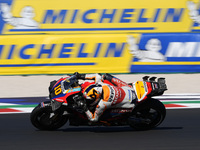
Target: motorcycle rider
<point x="105" y="96"/>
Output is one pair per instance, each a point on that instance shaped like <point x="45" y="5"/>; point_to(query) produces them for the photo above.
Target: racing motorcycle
<point x="66" y="104"/>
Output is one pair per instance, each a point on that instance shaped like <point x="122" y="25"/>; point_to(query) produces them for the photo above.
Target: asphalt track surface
<point x="179" y="131"/>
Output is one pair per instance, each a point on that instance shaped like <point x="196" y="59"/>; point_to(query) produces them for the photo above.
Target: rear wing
<point x="149" y="87"/>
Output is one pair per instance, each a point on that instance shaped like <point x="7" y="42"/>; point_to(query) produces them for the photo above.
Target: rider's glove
<point x="79" y="76"/>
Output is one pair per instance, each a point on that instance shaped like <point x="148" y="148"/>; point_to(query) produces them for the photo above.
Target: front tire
<point x="147" y="115"/>
<point x="44" y="118"/>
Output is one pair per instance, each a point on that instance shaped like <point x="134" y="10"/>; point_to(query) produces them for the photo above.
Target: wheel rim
<point x="44" y="119"/>
<point x="146" y="118"/>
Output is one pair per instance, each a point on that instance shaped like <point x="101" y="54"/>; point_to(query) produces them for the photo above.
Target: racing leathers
<point x="118" y="95"/>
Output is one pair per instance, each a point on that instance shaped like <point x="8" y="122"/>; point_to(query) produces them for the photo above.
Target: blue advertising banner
<point x="165" y="53"/>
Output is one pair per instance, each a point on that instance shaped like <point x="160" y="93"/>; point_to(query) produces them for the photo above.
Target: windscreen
<point x="70" y="82"/>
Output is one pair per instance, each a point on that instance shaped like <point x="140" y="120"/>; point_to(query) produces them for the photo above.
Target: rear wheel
<point x="44" y="118"/>
<point x="147" y="115"/>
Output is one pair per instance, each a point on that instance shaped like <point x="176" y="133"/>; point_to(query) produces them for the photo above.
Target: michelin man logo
<point x="24" y="22"/>
<point x="151" y="54"/>
<point x="193" y="12"/>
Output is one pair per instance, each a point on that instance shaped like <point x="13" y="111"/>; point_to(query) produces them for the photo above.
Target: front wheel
<point x="44" y="118"/>
<point x="147" y="115"/>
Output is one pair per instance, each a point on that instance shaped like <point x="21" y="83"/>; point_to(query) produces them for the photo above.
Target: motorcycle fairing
<point x="142" y="89"/>
<point x="60" y="92"/>
<point x="63" y="96"/>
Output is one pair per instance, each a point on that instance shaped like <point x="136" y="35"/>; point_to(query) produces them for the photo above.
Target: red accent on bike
<point x="119" y="95"/>
<point x="108" y="82"/>
<point x="119" y="83"/>
<point x="85" y="84"/>
<point x="61" y="79"/>
<point x="149" y="87"/>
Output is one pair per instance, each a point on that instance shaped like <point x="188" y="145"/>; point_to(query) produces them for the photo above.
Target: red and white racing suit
<point x="119" y="96"/>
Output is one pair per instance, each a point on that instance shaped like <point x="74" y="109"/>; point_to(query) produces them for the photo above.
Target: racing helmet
<point x="93" y="93"/>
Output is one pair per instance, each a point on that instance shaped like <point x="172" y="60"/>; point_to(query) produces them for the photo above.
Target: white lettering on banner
<point x="183" y="49"/>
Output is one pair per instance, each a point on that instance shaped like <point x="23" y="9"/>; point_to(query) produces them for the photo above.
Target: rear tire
<point x="147" y="115"/>
<point x="44" y="118"/>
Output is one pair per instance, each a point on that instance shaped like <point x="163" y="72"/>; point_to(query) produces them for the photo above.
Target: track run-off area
<point x="26" y="104"/>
